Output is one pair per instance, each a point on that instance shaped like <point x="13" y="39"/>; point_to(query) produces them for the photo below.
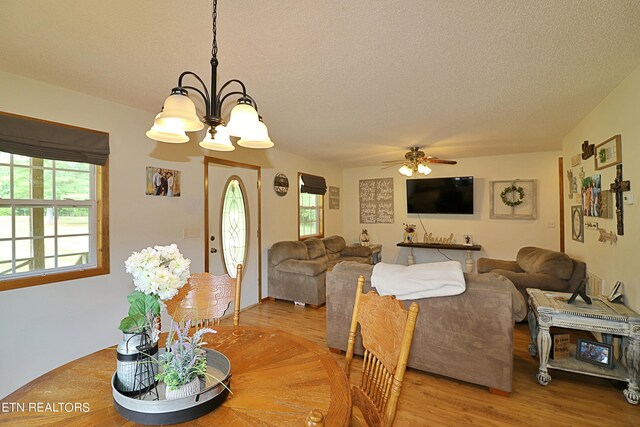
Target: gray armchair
<point x="538" y="268"/>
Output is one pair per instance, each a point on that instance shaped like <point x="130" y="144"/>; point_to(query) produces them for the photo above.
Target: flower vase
<point x="186" y="390"/>
<point x="135" y="366"/>
<point x="409" y="237"/>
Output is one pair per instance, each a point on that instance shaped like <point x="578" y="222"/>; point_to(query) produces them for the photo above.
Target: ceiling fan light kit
<point x="416" y="161"/>
<point x="179" y="114"/>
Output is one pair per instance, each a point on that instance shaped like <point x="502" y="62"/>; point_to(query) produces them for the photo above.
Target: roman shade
<point x="313" y="184"/>
<point x="31" y="137"/>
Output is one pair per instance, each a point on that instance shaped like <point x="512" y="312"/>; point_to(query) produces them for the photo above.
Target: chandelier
<point x="179" y="116"/>
<point x="415" y="161"/>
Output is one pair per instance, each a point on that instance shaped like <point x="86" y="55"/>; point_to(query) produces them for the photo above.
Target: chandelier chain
<point x="214" y="15"/>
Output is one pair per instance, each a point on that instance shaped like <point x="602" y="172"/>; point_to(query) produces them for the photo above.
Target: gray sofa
<point x="538" y="268"/>
<point x="297" y="270"/>
<point x="468" y="337"/>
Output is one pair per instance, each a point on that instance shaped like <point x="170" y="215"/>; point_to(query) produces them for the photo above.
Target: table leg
<point x="410" y="259"/>
<point x="632" y="392"/>
<point x="544" y="346"/>
<point x="533" y="330"/>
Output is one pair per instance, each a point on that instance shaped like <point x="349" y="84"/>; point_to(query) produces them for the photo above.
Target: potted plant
<point x="184" y="361"/>
<point x="158" y="273"/>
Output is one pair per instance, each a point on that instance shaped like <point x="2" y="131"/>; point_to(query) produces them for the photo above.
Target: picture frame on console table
<point x="595" y="352"/>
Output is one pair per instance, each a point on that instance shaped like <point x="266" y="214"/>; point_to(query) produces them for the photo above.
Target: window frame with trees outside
<point x="310" y="212"/>
<point x="53" y="220"/>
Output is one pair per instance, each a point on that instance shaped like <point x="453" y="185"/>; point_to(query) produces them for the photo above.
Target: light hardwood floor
<point x="431" y="400"/>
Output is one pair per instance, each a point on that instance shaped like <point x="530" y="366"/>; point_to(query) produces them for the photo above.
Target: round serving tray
<point x="162" y="411"/>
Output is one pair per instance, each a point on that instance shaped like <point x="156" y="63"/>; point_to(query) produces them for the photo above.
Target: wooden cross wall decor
<point x="588" y="150"/>
<point x="618" y="187"/>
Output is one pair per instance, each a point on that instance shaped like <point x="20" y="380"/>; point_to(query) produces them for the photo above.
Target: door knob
<point x="213" y="250"/>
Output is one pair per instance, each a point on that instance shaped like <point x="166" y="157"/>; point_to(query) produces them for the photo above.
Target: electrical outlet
<point x="551" y="224"/>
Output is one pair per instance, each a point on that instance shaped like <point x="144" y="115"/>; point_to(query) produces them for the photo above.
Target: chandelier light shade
<point x="258" y="137"/>
<point x="179" y="113"/>
<point x="220" y="142"/>
<point x="167" y="134"/>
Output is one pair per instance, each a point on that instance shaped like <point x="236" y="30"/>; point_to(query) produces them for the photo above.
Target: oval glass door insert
<point x="234" y="225"/>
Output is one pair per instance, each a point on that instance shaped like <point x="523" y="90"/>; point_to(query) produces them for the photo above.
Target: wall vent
<point x="595" y="284"/>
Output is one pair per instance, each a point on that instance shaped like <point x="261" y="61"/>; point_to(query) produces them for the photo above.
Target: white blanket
<point x="435" y="279"/>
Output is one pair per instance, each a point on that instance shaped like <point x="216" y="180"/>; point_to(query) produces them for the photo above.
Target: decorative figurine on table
<point x="364" y="238"/>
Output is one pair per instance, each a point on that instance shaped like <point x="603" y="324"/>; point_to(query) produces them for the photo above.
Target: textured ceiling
<point x="355" y="82"/>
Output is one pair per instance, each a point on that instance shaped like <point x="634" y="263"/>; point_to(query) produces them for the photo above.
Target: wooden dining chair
<point x="205" y="298"/>
<point x="387" y="331"/>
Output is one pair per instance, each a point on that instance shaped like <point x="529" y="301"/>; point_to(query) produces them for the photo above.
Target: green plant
<point x="602" y="154"/>
<point x="142" y="312"/>
<point x="184" y="359"/>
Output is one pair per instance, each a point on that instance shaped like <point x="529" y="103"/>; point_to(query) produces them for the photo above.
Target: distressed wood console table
<point x="468" y="248"/>
<point x="610" y="319"/>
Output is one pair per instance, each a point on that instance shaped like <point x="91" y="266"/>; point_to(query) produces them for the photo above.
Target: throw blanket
<point x="435" y="279"/>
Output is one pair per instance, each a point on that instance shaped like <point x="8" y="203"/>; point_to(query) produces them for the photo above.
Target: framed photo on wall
<point x="577" y="223"/>
<point x="608" y="153"/>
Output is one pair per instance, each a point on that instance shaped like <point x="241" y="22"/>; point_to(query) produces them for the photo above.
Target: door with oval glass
<point x="233" y="224"/>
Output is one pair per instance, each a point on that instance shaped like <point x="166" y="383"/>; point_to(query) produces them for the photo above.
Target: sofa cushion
<point x="315" y="248"/>
<point x="304" y="267"/>
<point x="282" y="251"/>
<point x="334" y="244"/>
<point x="538" y="260"/>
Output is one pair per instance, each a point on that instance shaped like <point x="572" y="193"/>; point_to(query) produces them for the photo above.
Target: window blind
<point x="31" y="137"/>
<point x="313" y="184"/>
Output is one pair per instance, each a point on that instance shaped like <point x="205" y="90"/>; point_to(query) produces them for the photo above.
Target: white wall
<point x="618" y="113"/>
<point x="500" y="238"/>
<point x="45" y="326"/>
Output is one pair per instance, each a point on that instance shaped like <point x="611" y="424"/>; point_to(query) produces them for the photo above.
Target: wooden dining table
<point x="277" y="379"/>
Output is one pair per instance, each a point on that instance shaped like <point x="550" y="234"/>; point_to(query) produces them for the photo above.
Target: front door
<point x="233" y="234"/>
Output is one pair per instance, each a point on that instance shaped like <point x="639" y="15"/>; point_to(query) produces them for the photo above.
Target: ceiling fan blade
<point x="394" y="161"/>
<point x="444" y="162"/>
<point x="388" y="166"/>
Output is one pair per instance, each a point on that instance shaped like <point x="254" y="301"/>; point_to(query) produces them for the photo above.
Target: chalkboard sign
<point x="376" y="201"/>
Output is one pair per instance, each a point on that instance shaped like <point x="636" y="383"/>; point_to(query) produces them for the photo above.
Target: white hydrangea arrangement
<point x="160" y="270"/>
<point x="158" y="273"/>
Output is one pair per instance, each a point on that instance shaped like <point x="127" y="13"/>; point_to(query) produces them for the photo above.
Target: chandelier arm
<point x="205" y="94"/>
<point x="244" y="89"/>
<point x="244" y="95"/>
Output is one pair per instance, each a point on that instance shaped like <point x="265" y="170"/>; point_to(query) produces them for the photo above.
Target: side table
<point x="550" y="309"/>
<point x="376" y="255"/>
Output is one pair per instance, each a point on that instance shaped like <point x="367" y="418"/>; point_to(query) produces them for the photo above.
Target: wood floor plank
<point x="432" y="400"/>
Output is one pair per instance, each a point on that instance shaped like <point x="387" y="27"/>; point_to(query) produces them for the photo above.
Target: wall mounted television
<point x="440" y="195"/>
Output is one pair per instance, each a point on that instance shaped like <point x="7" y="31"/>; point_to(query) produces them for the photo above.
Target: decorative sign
<point x="588" y="150"/>
<point x="577" y="224"/>
<point x="590" y="225"/>
<point x="573" y="183"/>
<point x="606" y="204"/>
<point x="376" y="201"/>
<point x="334" y="197"/>
<point x="281" y="184"/>
<point x="576" y="160"/>
<point x="560" y="346"/>
<point x="607" y="236"/>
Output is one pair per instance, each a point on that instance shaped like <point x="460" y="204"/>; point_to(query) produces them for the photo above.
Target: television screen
<point x="440" y="195"/>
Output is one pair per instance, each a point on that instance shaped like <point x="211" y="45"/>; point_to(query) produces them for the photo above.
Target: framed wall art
<point x="608" y="153"/>
<point x="515" y="199"/>
<point x="162" y="182"/>
<point x="334" y="197"/>
<point x="577" y="223"/>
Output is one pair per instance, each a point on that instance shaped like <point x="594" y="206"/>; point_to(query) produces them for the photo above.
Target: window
<point x="53" y="220"/>
<point x="311" y="191"/>
<point x="235" y="225"/>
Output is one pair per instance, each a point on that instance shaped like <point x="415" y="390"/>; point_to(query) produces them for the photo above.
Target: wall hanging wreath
<point x="507" y="195"/>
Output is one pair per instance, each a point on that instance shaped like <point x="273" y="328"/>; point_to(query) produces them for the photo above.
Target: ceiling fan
<point x="416" y="161"/>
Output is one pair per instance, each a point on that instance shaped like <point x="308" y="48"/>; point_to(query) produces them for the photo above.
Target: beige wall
<point x="618" y="113"/>
<point x="46" y="326"/>
<point x="500" y="238"/>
